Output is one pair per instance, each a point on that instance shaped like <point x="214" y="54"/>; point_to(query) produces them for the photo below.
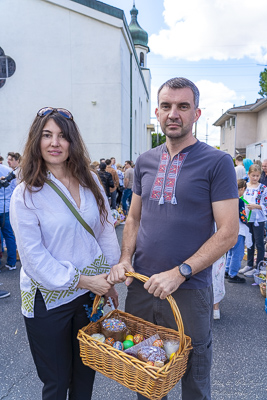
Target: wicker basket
<point x="263" y="288"/>
<point x="152" y="382"/>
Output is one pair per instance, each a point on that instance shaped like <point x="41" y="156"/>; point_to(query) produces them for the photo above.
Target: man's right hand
<point x="117" y="273"/>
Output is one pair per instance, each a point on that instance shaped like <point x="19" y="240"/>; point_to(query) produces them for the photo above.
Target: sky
<point x="220" y="45"/>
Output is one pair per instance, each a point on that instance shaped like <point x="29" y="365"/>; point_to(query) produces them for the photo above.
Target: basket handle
<point x="173" y="304"/>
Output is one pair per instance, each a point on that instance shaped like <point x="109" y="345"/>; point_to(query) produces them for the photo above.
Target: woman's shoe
<point x="216" y="314"/>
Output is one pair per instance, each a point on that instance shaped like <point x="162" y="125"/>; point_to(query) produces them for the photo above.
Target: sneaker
<point x="216" y="314"/>
<point x="245" y="269"/>
<point x="226" y="275"/>
<point x="236" y="279"/>
<point x="11" y="267"/>
<point x="4" y="294"/>
<point x="250" y="273"/>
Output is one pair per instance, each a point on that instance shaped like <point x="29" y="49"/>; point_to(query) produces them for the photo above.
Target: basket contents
<point x="171" y="346"/>
<point x="99" y="336"/>
<point x="152" y="353"/>
<point x="151" y="379"/>
<point x="114" y="328"/>
<point x="138" y="338"/>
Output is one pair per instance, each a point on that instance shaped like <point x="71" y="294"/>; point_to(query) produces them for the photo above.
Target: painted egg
<point x="110" y="341"/>
<point x="118" y="345"/>
<point x="158" y="343"/>
<point x="138" y="338"/>
<point x="171" y="356"/>
<point x="127" y="344"/>
<point x="129" y="337"/>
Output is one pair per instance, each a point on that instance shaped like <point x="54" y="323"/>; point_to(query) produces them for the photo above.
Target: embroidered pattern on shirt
<point x="167" y="183"/>
<point x="98" y="266"/>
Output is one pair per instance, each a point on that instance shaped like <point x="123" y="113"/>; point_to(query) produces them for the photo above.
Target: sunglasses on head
<point x="49" y="110"/>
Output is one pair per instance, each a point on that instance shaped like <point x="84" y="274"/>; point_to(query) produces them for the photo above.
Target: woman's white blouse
<point x="54" y="248"/>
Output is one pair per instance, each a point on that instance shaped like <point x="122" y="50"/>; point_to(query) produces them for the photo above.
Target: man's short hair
<point x="108" y="161"/>
<point x="128" y="162"/>
<point x="180" y="83"/>
<point x="17" y="156"/>
<point x="102" y="166"/>
<point x="239" y="158"/>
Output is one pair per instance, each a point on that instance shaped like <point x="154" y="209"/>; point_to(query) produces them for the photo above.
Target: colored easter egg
<point x="127" y="344"/>
<point x="138" y="338"/>
<point x="110" y="341"/>
<point x="129" y="337"/>
<point x="171" y="356"/>
<point x="118" y="345"/>
<point x="158" y="343"/>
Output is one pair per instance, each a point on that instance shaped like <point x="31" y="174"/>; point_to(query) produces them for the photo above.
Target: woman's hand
<point x="114" y="296"/>
<point x="97" y="284"/>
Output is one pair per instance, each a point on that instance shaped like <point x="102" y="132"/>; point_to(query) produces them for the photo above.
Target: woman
<point x="61" y="261"/>
<point x="255" y="198"/>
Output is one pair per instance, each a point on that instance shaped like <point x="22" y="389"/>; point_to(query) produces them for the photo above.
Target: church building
<point x="80" y="55"/>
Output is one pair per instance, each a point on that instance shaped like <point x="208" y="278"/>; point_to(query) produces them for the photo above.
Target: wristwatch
<point x="185" y="270"/>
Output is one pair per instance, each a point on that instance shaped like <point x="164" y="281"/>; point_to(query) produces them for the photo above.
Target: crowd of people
<point x="180" y="203"/>
<point x="252" y="192"/>
<point x="117" y="181"/>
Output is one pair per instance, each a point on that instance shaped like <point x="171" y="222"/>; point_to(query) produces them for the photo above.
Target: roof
<point x="248" y="108"/>
<point x="139" y="35"/>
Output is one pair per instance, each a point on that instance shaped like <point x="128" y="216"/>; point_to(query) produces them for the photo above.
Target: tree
<point x="263" y="83"/>
<point x="157" y="141"/>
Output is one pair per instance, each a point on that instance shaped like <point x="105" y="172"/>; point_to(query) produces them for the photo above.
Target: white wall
<point x="67" y="59"/>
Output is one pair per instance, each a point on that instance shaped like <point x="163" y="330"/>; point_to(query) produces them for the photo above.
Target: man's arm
<point x="117" y="272"/>
<point x="226" y="217"/>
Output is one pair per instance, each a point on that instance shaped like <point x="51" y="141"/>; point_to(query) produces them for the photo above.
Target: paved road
<point x="240" y="348"/>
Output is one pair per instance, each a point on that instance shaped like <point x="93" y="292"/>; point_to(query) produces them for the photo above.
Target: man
<point x="106" y="179"/>
<point x="115" y="178"/>
<point x="13" y="160"/>
<point x="263" y="178"/>
<point x="239" y="169"/>
<point x="6" y="190"/>
<point x="180" y="189"/>
<point x="113" y="163"/>
<point x="128" y="185"/>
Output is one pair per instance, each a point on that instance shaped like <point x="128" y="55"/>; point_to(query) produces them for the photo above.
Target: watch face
<point x="185" y="270"/>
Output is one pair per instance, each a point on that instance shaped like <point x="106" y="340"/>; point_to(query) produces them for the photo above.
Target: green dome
<point x="139" y="36"/>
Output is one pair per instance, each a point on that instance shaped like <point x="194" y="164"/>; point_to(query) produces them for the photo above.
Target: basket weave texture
<point x="152" y="382"/>
<point x="263" y="288"/>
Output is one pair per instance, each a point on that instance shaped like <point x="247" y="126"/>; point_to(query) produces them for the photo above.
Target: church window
<point x="7" y="67"/>
<point x="142" y="59"/>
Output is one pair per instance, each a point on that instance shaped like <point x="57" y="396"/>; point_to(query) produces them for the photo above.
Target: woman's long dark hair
<point x="33" y="166"/>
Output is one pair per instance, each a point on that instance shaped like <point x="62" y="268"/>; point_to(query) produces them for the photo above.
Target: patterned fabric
<point x="99" y="266"/>
<point x="218" y="270"/>
<point x="163" y="189"/>
<point x="242" y="211"/>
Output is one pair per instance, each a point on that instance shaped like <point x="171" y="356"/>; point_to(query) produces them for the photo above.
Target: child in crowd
<point x="255" y="197"/>
<point x="235" y="254"/>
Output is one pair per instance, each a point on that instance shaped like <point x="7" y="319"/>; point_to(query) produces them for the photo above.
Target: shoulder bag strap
<point x="72" y="209"/>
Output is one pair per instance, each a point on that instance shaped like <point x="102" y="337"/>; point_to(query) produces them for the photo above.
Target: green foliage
<point x="263" y="83"/>
<point x="161" y="139"/>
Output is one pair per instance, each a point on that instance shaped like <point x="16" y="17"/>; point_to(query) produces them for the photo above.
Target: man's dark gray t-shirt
<point x="177" y="197"/>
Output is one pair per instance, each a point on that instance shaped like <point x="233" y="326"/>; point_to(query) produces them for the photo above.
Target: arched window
<point x="142" y="59"/>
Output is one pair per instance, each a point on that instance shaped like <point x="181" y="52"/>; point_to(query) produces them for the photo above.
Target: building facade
<point x="79" y="55"/>
<point x="243" y="126"/>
